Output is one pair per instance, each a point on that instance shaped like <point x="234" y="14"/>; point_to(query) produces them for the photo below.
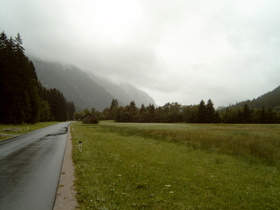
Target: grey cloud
<point x="181" y="51"/>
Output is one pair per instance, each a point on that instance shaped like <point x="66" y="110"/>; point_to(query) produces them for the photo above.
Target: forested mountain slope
<point x="87" y="90"/>
<point x="268" y="100"/>
<point x="125" y="93"/>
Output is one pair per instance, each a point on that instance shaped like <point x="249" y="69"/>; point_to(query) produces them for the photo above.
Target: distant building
<point x="90" y="119"/>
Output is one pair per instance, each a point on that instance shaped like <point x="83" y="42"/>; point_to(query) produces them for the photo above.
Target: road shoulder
<point x="65" y="198"/>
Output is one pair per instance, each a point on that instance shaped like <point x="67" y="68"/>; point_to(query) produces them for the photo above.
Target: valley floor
<point x="176" y="166"/>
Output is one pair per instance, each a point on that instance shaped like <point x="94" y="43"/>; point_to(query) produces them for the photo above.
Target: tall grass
<point x="138" y="166"/>
<point x="256" y="142"/>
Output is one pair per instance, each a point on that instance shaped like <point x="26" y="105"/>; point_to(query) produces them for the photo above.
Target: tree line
<point x="169" y="113"/>
<point x="249" y="115"/>
<point x="176" y="113"/>
<point x="23" y="98"/>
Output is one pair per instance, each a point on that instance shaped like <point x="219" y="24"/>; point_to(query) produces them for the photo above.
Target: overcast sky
<point x="177" y="51"/>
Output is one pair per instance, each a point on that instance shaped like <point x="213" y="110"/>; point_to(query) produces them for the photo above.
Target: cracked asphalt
<point x="30" y="167"/>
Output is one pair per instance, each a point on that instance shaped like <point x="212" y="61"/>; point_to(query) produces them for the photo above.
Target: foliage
<point x="169" y="113"/>
<point x="247" y="115"/>
<point x="59" y="108"/>
<point x="23" y="99"/>
<point x="175" y="113"/>
<point x="113" y="108"/>
<point x="18" y="83"/>
<point x="135" y="166"/>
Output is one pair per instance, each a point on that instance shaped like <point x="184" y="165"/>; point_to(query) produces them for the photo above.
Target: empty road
<point x="30" y="167"/>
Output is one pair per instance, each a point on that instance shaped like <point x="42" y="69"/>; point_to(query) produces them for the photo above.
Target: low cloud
<point x="181" y="51"/>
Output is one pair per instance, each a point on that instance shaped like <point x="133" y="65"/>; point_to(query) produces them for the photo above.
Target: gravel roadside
<point x="65" y="197"/>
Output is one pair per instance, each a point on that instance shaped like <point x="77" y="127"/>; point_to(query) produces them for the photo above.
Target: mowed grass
<point x="158" y="166"/>
<point x="8" y="131"/>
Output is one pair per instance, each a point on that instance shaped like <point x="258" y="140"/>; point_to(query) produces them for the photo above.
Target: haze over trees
<point x="264" y="109"/>
<point x="86" y="89"/>
<point x="270" y="100"/>
<point x="177" y="113"/>
<point x="23" y="99"/>
<point x="169" y="113"/>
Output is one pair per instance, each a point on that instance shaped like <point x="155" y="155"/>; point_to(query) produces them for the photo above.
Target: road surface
<point x="30" y="167"/>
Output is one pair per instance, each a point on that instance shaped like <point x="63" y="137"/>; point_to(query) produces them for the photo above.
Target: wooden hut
<point x="90" y="119"/>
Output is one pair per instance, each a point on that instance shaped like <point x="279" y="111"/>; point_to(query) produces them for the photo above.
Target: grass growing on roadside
<point x="8" y="131"/>
<point x="132" y="170"/>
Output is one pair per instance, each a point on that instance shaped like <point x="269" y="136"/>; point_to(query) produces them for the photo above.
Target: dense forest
<point x="23" y="98"/>
<point x="176" y="113"/>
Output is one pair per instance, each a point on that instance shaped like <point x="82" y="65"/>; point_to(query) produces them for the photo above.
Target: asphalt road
<point x="30" y="167"/>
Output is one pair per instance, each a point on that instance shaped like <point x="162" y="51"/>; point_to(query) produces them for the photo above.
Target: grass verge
<point x="8" y="131"/>
<point x="120" y="167"/>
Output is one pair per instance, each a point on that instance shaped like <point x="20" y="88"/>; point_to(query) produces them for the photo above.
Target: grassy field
<point x="8" y="131"/>
<point x="177" y="166"/>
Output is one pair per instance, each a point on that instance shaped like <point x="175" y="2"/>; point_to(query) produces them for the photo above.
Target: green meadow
<point x="176" y="166"/>
<point x="8" y="131"/>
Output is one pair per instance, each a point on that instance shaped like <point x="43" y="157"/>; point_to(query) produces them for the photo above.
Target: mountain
<point x="125" y="93"/>
<point x="268" y="100"/>
<point x="85" y="89"/>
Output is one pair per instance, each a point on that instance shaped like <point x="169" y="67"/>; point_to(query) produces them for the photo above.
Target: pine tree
<point x="262" y="116"/>
<point x="209" y="112"/>
<point x="132" y="110"/>
<point x="201" y="112"/>
<point x="142" y="113"/>
<point x="113" y="108"/>
<point x="19" y="88"/>
<point x="246" y="114"/>
<point x="23" y="99"/>
<point x="151" y="112"/>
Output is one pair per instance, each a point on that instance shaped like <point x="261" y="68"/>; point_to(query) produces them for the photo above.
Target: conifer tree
<point x="113" y="108"/>
<point x="209" y="112"/>
<point x="132" y="110"/>
<point x="19" y="88"/>
<point x="201" y="112"/>
<point x="246" y="114"/>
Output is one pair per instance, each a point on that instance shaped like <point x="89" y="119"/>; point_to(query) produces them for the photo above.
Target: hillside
<point x="87" y="90"/>
<point x="125" y="93"/>
<point x="268" y="100"/>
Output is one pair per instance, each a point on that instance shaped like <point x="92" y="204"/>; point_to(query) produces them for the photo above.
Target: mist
<point x="179" y="51"/>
